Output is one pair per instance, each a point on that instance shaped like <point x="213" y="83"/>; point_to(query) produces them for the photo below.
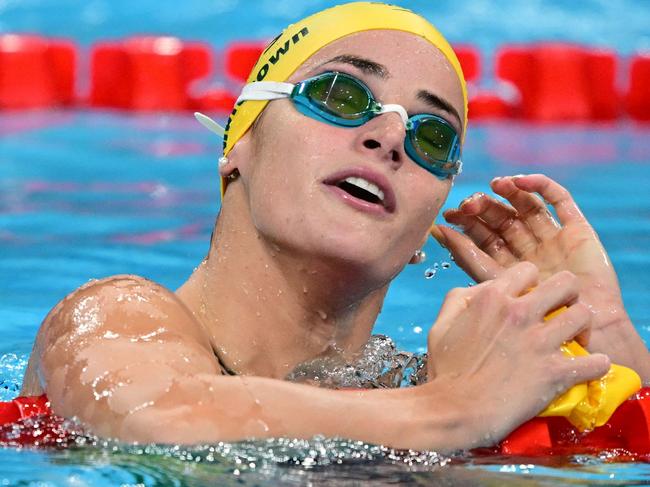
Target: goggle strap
<point x="209" y="124"/>
<point x="399" y="109"/>
<point x="265" y="90"/>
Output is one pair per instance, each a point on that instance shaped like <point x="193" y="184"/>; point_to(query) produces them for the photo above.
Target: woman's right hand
<point x="492" y="351"/>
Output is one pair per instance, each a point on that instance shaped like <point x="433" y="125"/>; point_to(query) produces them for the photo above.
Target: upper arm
<point x="115" y="346"/>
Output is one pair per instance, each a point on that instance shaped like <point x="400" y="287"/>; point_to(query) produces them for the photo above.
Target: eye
<point x="340" y="95"/>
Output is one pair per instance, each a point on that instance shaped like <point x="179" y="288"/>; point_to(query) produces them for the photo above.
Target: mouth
<point x="364" y="189"/>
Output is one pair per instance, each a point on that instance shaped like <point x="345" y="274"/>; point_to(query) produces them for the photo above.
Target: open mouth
<point x="362" y="189"/>
<point x="365" y="189"/>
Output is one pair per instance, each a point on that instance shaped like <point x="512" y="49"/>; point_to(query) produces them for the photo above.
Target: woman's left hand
<point x="499" y="235"/>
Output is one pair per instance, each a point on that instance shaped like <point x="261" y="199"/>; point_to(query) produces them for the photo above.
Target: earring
<point x="418" y="256"/>
<point x="223" y="160"/>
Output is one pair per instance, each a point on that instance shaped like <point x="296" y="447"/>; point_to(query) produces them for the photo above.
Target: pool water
<point x="90" y="194"/>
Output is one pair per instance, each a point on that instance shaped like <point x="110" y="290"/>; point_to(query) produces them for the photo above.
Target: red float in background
<point x="36" y="72"/>
<point x="490" y="105"/>
<point x="240" y="57"/>
<point x="148" y="73"/>
<point x="638" y="95"/>
<point x="470" y="60"/>
<point x="560" y="82"/>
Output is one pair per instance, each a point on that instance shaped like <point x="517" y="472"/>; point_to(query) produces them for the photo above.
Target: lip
<point x="389" y="204"/>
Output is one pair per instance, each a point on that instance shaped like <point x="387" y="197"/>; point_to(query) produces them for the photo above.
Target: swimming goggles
<point x="345" y="101"/>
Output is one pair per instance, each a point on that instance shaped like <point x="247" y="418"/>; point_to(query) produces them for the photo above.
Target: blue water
<point x="90" y="194"/>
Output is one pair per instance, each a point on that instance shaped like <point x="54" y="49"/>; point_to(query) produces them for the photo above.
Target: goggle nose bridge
<point x="399" y="109"/>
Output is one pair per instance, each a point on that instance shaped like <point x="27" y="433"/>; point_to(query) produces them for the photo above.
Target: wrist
<point x="448" y="420"/>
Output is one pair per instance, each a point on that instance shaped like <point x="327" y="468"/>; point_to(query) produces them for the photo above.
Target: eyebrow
<point x="365" y="65"/>
<point x="440" y="103"/>
<point x="375" y="69"/>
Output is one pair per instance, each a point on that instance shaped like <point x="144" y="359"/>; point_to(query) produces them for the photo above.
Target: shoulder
<point x="125" y="303"/>
<point x="114" y="345"/>
<point x="124" y="311"/>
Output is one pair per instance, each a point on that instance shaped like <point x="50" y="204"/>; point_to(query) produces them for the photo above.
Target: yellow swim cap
<point x="301" y="40"/>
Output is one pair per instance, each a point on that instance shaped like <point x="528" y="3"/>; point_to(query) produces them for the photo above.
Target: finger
<point x="572" y="323"/>
<point x="584" y="368"/>
<point x="520" y="278"/>
<point x="556" y="195"/>
<point x="485" y="239"/>
<point x="530" y="207"/>
<point x="503" y="220"/>
<point x="559" y="290"/>
<point x="476" y="263"/>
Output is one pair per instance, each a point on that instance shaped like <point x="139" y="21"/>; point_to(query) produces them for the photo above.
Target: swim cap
<point x="301" y="40"/>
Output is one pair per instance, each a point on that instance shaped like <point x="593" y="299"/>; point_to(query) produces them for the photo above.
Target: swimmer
<point x="332" y="181"/>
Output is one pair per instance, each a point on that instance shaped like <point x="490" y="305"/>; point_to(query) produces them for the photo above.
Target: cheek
<point x="427" y="199"/>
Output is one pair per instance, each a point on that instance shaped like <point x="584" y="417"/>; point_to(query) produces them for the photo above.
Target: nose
<point x="383" y="137"/>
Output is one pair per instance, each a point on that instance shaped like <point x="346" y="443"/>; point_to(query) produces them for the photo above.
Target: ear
<point x="237" y="158"/>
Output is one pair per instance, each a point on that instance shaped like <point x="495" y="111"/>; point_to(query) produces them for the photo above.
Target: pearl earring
<point x="223" y="160"/>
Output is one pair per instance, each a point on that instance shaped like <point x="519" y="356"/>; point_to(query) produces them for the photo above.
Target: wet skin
<point x="295" y="270"/>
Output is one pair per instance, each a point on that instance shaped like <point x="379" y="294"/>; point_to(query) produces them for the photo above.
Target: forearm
<point x="210" y="409"/>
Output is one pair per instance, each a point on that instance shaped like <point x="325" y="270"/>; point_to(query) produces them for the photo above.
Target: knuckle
<point x="517" y="313"/>
<point x="456" y="293"/>
<point x="528" y="268"/>
<point x="568" y="276"/>
<point x="581" y="312"/>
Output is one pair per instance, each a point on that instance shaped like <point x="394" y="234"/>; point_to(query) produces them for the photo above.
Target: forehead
<point x="411" y="61"/>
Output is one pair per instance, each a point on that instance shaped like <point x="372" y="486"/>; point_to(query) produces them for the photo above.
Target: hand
<point x="501" y="235"/>
<point x="491" y="350"/>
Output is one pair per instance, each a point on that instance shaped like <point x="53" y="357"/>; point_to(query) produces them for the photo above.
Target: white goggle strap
<point x="265" y="90"/>
<point x="399" y="109"/>
<point x="261" y="90"/>
<point x="210" y="124"/>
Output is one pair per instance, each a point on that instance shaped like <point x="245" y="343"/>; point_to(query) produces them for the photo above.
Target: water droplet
<point x="430" y="273"/>
<point x="445" y="265"/>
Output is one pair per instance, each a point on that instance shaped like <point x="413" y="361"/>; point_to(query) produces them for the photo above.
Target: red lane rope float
<point x="627" y="433"/>
<point x="638" y="97"/>
<point x="545" y="82"/>
<point x="560" y="82"/>
<point x="153" y="73"/>
<point x="240" y="58"/>
<point x="36" y="71"/>
<point x="28" y="421"/>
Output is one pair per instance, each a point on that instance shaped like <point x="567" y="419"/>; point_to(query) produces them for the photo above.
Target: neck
<point x="268" y="309"/>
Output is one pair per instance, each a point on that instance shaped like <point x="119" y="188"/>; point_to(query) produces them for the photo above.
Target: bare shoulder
<point x="115" y="310"/>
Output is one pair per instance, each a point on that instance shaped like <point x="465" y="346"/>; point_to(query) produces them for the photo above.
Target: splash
<point x="12" y="369"/>
<point x="377" y="365"/>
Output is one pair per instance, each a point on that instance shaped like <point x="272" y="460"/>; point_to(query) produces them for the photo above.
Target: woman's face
<point x="290" y="164"/>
